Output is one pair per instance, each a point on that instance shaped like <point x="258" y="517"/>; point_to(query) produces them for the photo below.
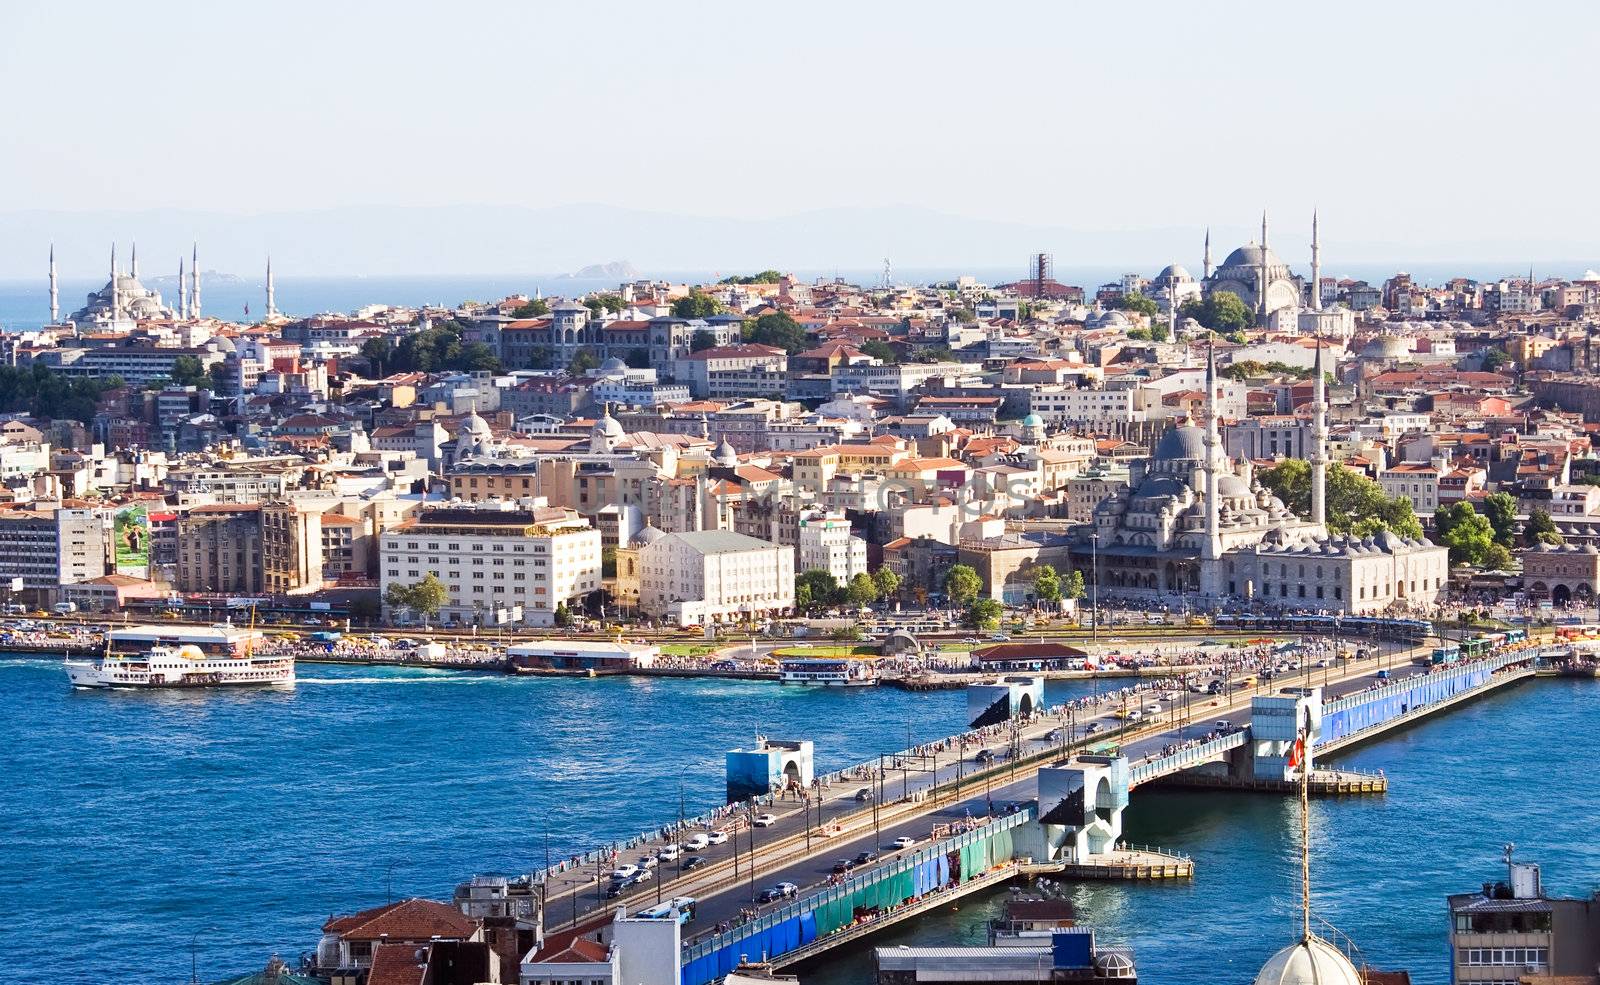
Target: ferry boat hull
<point x="157" y="658"/>
<point x="91" y="676"/>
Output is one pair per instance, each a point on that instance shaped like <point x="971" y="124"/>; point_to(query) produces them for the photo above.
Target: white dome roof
<point x="1311" y="961"/>
<point x="476" y="426"/>
<point x="608" y="426"/>
<point x="725" y="455"/>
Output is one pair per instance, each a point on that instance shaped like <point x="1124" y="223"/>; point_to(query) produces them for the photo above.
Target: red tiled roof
<point x="407" y="920"/>
<point x="398" y="964"/>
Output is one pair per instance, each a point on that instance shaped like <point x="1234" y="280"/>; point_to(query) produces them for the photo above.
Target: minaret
<point x="194" y="282"/>
<point x="1261" y="274"/>
<point x="183" y="292"/>
<point x="1316" y="270"/>
<point x="55" y="293"/>
<point x="1319" y="441"/>
<point x="116" y="290"/>
<point x="133" y="262"/>
<point x="272" y="305"/>
<point x="1205" y="264"/>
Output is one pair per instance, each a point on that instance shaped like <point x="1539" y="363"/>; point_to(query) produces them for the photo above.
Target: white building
<point x="500" y="562"/>
<point x="714" y="576"/>
<point x="826" y="544"/>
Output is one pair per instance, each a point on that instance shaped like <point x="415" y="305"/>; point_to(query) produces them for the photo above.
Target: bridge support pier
<point x="770" y="766"/>
<point x="1275" y="722"/>
<point x="1080" y="806"/>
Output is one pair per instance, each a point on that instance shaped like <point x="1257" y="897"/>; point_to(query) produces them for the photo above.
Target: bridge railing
<point x="1188" y="756"/>
<point x="1496" y="661"/>
<point x="714" y="942"/>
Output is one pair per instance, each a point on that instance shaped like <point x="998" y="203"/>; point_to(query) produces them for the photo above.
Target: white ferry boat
<point x="140" y="657"/>
<point x="826" y="671"/>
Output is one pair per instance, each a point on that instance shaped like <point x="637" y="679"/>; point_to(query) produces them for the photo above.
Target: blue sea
<point x="131" y="822"/>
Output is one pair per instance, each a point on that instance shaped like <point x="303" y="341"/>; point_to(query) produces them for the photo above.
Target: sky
<point x="1453" y="129"/>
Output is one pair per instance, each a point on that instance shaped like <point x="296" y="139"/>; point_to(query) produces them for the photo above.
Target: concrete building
<point x="219" y="549"/>
<point x="291" y="547"/>
<point x="499" y="565"/>
<point x="707" y="576"/>
<point x="1565" y="574"/>
<point x="1511" y="931"/>
<point x="49" y="548"/>
<point x="826" y="544"/>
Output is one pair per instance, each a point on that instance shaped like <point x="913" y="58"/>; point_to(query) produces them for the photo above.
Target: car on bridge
<point x="717" y="838"/>
<point x="783" y="890"/>
<point x="693" y="862"/>
<point x="669" y="853"/>
<point x="764" y="820"/>
<point x="697" y="842"/>
<point x="863" y="858"/>
<point x="843" y="866"/>
<point x="904" y="841"/>
<point x="623" y="873"/>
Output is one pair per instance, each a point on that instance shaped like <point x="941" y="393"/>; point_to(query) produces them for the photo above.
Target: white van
<point x="1152" y="709"/>
<point x="696" y="842"/>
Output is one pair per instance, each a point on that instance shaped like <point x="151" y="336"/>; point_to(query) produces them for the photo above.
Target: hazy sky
<point x="1443" y="122"/>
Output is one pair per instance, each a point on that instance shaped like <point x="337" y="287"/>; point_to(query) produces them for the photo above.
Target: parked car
<point x="647" y="862"/>
<point x="697" y="842"/>
<point x="624" y="872"/>
<point x="669" y="853"/>
<point x="904" y="841"/>
<point x="764" y="820"/>
<point x="862" y="858"/>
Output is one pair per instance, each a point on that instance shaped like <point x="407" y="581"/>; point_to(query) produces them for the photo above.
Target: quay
<point x="1054" y="803"/>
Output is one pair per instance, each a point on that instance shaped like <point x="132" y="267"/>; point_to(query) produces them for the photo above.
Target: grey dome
<point x="1251" y="255"/>
<point x="1232" y="487"/>
<point x="1310" y="961"/>
<point x="1182" y="443"/>
<point x="613" y="367"/>
<point x="1174" y="273"/>
<point x="725" y="455"/>
<point x="647" y="534"/>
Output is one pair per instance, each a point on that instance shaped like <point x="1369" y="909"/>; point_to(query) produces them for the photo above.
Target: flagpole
<point x="1305" y="830"/>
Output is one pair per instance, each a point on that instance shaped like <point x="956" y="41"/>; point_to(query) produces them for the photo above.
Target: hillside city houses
<point x="683" y="453"/>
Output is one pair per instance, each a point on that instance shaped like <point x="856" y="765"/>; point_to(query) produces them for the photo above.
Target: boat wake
<point x="474" y="679"/>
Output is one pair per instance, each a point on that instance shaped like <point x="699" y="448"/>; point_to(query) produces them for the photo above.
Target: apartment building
<point x="499" y="565"/>
<point x="219" y="549"/>
<point x="707" y="576"/>
<point x="49" y="548"/>
<point x="826" y="544"/>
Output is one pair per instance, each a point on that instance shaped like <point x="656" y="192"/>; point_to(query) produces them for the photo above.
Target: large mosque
<point x="1191" y="523"/>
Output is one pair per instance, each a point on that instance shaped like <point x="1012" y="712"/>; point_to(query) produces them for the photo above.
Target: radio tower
<point x="888" y="273"/>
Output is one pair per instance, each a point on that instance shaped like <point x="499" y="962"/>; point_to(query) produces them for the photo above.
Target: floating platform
<point x="1124" y="865"/>
<point x="1324" y="783"/>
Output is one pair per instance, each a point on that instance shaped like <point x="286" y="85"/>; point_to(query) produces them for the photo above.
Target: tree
<point x="608" y="562"/>
<point x="701" y="340"/>
<point x="219" y="376"/>
<point x="1139" y="304"/>
<point x="778" y="329"/>
<point x="1501" y="509"/>
<point x="187" y="371"/>
<point x="818" y="588"/>
<point x="1540" y="529"/>
<point x="962" y="584"/>
<point x="1496" y="558"/>
<point x="887" y="581"/>
<point x="425" y="597"/>
<point x="1158" y="332"/>
<point x="879" y="350"/>
<point x="1494" y="359"/>
<point x="377" y="352"/>
<point x="541" y="357"/>
<point x="933" y="354"/>
<point x="1220" y="311"/>
<point x="861" y="591"/>
<point x="1073" y="587"/>
<point x="563" y="615"/>
<point x="637" y="358"/>
<point x="1356" y="505"/>
<point x="604" y="302"/>
<point x="1468" y="534"/>
<point x="582" y="361"/>
<point x="984" y="614"/>
<point x="962" y="316"/>
<point x="537" y="308"/>
<point x="1046" y="585"/>
<point x="696" y="304"/>
<point x="765" y="277"/>
<point x="1138" y="334"/>
<point x="477" y="357"/>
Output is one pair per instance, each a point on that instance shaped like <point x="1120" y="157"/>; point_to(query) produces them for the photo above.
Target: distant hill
<point x="618" y="270"/>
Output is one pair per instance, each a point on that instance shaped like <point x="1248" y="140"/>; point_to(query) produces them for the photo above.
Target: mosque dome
<point x="1251" y="255"/>
<point x="608" y="426"/>
<point x="1174" y="273"/>
<point x="725" y="455"/>
<point x="647" y="534"/>
<point x="476" y="426"/>
<point x="613" y="367"/>
<point x="1033" y="421"/>
<point x="1310" y="961"/>
<point x="1230" y="486"/>
<point x="1182" y="443"/>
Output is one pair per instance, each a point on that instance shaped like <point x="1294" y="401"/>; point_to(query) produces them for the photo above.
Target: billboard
<point x="132" y="532"/>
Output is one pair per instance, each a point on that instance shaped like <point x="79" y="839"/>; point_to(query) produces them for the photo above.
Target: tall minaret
<point x="194" y="283"/>
<point x="272" y="305"/>
<point x="1316" y="269"/>
<point x="1261" y="274"/>
<point x="55" y="293"/>
<point x="1205" y="264"/>
<point x="1319" y="441"/>
<point x="133" y="262"/>
<point x="116" y="289"/>
<point x="183" y="292"/>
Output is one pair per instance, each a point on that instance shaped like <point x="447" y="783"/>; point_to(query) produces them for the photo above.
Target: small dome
<point x="725" y="455"/>
<point x="1113" y="964"/>
<point x="1312" y="961"/>
<point x="647" y="534"/>
<point x="1174" y="273"/>
<point x="1233" y="487"/>
<point x="1033" y="421"/>
<point x="613" y="367"/>
<point x="608" y="426"/>
<point x="1386" y="347"/>
<point x="475" y="426"/>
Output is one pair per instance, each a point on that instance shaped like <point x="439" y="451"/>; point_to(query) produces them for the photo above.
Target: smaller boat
<point x="826" y="672"/>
